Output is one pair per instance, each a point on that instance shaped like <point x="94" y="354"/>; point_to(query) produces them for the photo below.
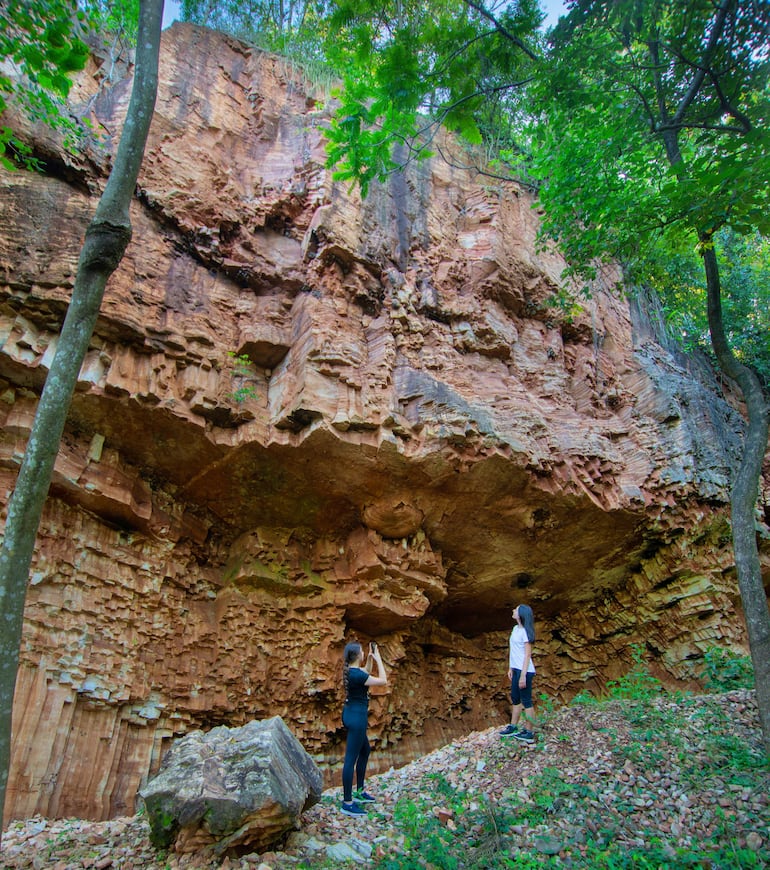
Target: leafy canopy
<point x="42" y="42"/>
<point x="644" y="127"/>
<point x="650" y="137"/>
<point x="410" y="67"/>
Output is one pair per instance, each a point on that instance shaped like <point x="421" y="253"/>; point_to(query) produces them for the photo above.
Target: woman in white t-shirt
<point x="521" y="670"/>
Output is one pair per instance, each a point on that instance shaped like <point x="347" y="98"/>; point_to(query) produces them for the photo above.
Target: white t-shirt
<point x="516" y="649"/>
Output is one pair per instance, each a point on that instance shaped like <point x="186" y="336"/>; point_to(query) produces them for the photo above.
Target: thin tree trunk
<point x="105" y="243"/>
<point x="745" y="489"/>
<point x="745" y="484"/>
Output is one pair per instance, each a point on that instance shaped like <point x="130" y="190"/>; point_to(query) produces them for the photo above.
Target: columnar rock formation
<point x="420" y="442"/>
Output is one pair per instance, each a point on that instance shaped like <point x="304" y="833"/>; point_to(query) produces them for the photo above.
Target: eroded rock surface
<point x="231" y="789"/>
<point x="423" y="442"/>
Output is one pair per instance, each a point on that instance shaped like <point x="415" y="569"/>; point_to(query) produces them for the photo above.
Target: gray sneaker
<point x="508" y="731"/>
<point x="525" y="736"/>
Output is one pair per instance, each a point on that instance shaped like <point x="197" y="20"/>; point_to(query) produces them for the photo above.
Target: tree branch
<point x="500" y="29"/>
<point x="700" y="74"/>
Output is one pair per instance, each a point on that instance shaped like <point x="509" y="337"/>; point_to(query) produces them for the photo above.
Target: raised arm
<point x="382" y="678"/>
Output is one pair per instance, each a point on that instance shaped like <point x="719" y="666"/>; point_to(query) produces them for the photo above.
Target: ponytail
<point x="352" y="652"/>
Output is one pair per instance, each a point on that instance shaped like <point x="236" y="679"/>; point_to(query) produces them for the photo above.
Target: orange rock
<point x="422" y="442"/>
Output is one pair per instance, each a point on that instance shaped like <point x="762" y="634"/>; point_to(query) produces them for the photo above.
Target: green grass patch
<point x="587" y="820"/>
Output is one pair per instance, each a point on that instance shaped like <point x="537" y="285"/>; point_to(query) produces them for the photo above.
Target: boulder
<point x="233" y="789"/>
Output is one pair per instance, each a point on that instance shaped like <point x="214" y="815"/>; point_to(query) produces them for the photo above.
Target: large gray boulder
<point x="231" y="789"/>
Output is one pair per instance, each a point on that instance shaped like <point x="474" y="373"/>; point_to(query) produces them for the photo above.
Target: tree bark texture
<point x="106" y="240"/>
<point x="745" y="489"/>
<point x="745" y="483"/>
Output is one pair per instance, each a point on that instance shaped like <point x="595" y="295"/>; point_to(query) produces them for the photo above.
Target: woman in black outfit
<point x="355" y="717"/>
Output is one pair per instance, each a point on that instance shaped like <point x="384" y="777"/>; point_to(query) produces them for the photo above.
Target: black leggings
<point x="357" y="749"/>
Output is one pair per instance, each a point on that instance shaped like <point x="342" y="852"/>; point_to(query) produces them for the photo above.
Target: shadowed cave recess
<point x="307" y="418"/>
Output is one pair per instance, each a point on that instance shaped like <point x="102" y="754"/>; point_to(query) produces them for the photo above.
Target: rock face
<point x="423" y="442"/>
<point x="231" y="788"/>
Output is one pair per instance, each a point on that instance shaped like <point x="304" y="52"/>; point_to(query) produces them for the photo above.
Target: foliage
<point x="546" y="707"/>
<point x="108" y="17"/>
<point x="676" y="274"/>
<point x="409" y="67"/>
<point x="473" y="840"/>
<point x="243" y="373"/>
<point x="638" y="684"/>
<point x="626" y="151"/>
<point x="293" y="28"/>
<point x="633" y="167"/>
<point x="585" y="697"/>
<point x="42" y="42"/>
<point x="726" y="669"/>
<point x="40" y="45"/>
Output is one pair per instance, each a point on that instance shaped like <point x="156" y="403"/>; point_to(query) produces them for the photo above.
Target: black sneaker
<point x="363" y="797"/>
<point x="525" y="736"/>
<point x="353" y="809"/>
<point x="508" y="731"/>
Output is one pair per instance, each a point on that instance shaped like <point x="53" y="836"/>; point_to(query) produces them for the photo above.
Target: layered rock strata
<point x="418" y="441"/>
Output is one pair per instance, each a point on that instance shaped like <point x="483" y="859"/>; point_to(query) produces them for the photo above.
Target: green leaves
<point x="649" y="142"/>
<point x="411" y="67"/>
<point x="40" y="39"/>
<point x="40" y="42"/>
<point x="633" y="140"/>
<point x="744" y="267"/>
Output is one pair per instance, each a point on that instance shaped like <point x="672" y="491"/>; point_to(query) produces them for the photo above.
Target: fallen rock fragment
<point x="231" y="789"/>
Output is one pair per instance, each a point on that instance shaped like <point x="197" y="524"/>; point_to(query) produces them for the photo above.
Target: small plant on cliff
<point x="243" y="377"/>
<point x="726" y="670"/>
<point x="638" y="684"/>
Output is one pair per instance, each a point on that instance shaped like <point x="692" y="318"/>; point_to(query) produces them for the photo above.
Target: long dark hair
<point x="527" y="620"/>
<point x="352" y="652"/>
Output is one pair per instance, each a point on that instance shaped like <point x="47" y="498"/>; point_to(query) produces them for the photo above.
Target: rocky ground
<point x="679" y="774"/>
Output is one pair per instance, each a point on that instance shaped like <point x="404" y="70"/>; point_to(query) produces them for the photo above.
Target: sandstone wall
<point x="424" y="443"/>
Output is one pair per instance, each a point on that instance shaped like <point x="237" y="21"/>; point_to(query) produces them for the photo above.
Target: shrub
<point x="638" y="684"/>
<point x="726" y="669"/>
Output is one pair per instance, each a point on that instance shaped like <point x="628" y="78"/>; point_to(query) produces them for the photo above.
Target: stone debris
<point x="231" y="788"/>
<point x="643" y="796"/>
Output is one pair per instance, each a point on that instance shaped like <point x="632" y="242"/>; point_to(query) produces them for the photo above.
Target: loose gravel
<point x="644" y="772"/>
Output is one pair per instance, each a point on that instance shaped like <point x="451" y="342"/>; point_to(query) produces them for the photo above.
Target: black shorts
<point x="519" y="695"/>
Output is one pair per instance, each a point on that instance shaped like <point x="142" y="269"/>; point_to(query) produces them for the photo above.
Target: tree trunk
<point x="745" y="490"/>
<point x="106" y="240"/>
